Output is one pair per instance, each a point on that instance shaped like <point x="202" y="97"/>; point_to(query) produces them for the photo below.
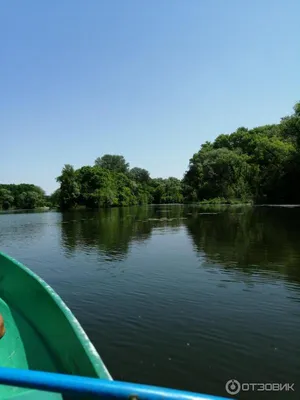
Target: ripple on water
<point x="186" y="303"/>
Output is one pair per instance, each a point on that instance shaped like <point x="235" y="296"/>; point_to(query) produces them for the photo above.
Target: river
<point x="184" y="297"/>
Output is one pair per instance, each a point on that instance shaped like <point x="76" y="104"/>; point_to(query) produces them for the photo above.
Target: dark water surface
<point x="183" y="297"/>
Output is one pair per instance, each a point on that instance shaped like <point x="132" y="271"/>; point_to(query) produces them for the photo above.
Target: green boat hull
<point x="41" y="332"/>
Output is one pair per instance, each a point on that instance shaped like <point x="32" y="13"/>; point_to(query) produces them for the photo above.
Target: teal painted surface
<point x="41" y="332"/>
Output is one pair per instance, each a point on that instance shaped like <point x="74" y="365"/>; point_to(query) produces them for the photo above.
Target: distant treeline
<point x="23" y="196"/>
<point x="249" y="165"/>
<point x="260" y="164"/>
<point x="111" y="183"/>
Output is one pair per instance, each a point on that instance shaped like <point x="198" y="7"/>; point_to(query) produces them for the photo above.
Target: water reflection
<point x="252" y="240"/>
<point x="200" y="291"/>
<point x="112" y="231"/>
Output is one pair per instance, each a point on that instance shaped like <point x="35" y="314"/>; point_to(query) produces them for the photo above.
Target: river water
<point x="184" y="297"/>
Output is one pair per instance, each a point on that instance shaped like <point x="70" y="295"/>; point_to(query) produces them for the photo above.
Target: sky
<point x="150" y="80"/>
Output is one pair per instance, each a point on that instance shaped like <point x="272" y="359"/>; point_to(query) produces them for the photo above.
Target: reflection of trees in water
<point x="254" y="240"/>
<point x="251" y="240"/>
<point x="112" y="231"/>
<point x="166" y="217"/>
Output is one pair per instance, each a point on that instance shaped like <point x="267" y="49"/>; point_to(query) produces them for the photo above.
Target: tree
<point x="140" y="175"/>
<point x="259" y="164"/>
<point x="69" y="187"/>
<point x="30" y="200"/>
<point x="105" y="197"/>
<point x="54" y="198"/>
<point x="6" y="199"/>
<point x="290" y="126"/>
<point x="167" y="191"/>
<point x="114" y="163"/>
<point x="125" y="189"/>
<point x="290" y="131"/>
<point x="219" y="173"/>
<point x="12" y="196"/>
<point x="262" y="163"/>
<point x="97" y="187"/>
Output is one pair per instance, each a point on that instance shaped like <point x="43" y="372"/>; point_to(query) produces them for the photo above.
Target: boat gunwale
<point x="90" y="350"/>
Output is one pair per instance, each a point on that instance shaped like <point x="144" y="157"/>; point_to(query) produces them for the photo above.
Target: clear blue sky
<point x="150" y="80"/>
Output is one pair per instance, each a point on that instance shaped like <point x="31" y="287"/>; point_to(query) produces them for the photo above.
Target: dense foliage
<point x="23" y="196"/>
<point x="110" y="183"/>
<point x="248" y="241"/>
<point x="260" y="164"/>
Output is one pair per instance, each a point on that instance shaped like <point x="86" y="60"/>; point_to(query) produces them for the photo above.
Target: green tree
<point x="219" y="173"/>
<point x="6" y="199"/>
<point x="140" y="175"/>
<point x="290" y="126"/>
<point x="98" y="187"/>
<point x="290" y="130"/>
<point x="30" y="200"/>
<point x="125" y="190"/>
<point x="114" y="163"/>
<point x="54" y="199"/>
<point x="104" y="197"/>
<point x="69" y="187"/>
<point x="14" y="195"/>
<point x="262" y="163"/>
<point x="166" y="191"/>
